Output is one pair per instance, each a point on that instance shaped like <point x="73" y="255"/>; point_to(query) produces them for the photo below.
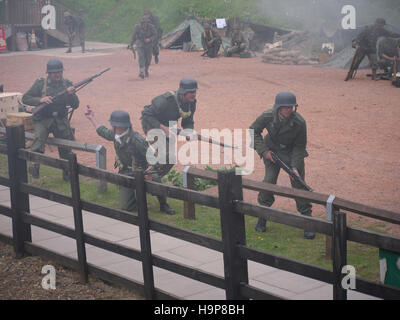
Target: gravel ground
<point x="21" y="279"/>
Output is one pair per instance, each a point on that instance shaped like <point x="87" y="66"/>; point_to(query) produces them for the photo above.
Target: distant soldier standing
<point x="156" y="23"/>
<point x="211" y="41"/>
<point x="75" y="25"/>
<point x="54" y="117"/>
<point x="131" y="149"/>
<point x="365" y="44"/>
<point x="144" y="35"/>
<point x="287" y="137"/>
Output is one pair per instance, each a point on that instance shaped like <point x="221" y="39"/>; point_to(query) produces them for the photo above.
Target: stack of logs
<point x="291" y="49"/>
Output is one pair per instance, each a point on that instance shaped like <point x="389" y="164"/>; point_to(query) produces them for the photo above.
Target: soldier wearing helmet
<point x="143" y="36"/>
<point x="131" y="149"/>
<point x="239" y="44"/>
<point x="366" y="42"/>
<point x="171" y="106"/>
<point x="211" y="41"/>
<point x="287" y="137"/>
<point x="155" y="21"/>
<point x="75" y="26"/>
<point x="53" y="118"/>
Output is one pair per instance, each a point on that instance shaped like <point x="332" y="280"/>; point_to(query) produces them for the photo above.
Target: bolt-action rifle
<point x="290" y="171"/>
<point x="353" y="67"/>
<point x="77" y="86"/>
<point x="209" y="140"/>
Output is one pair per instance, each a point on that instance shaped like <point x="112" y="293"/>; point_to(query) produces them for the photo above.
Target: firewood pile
<point x="290" y="49"/>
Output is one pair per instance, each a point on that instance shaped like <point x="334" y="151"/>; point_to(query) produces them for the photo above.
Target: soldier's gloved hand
<point x="46" y="100"/>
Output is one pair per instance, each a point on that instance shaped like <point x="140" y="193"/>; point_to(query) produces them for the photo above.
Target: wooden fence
<point x="99" y="150"/>
<point x="232" y="211"/>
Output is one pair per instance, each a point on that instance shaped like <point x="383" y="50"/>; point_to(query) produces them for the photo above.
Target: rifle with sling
<point x="290" y="171"/>
<point x="210" y="140"/>
<point x="77" y="86"/>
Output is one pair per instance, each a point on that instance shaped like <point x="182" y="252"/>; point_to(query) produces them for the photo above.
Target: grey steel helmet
<point x="54" y="65"/>
<point x="285" y="99"/>
<point x="145" y="19"/>
<point x="120" y="119"/>
<point x="187" y="85"/>
<point x="380" y="21"/>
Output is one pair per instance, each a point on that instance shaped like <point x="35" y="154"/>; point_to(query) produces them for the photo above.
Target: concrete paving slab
<point x="102" y="235"/>
<point x="213" y="294"/>
<point x="100" y="257"/>
<point x="121" y="230"/>
<point x="61" y="244"/>
<point x="5" y="225"/>
<point x="2" y="188"/>
<point x="37" y="202"/>
<point x="162" y="242"/>
<point x="4" y="195"/>
<point x="58" y="211"/>
<point x="181" y="286"/>
<point x="272" y="289"/>
<point x="178" y="259"/>
<point x="216" y="267"/>
<point x="256" y="269"/>
<point x="40" y="234"/>
<point x="289" y="281"/>
<point x="94" y="221"/>
<point x="197" y="253"/>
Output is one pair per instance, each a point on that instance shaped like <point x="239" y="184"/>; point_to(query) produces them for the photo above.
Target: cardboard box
<point x="20" y="118"/>
<point x="9" y="103"/>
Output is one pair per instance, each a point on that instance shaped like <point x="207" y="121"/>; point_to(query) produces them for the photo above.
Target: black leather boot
<point x="261" y="225"/>
<point x="164" y="207"/>
<point x="34" y="170"/>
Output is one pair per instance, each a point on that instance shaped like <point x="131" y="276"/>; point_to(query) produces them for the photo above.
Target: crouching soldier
<point x="130" y="148"/>
<point x="238" y="44"/>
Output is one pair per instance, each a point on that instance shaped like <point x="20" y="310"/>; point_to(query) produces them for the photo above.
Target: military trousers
<point x="271" y="176"/>
<point x="237" y="49"/>
<point x="156" y="48"/>
<point x="371" y="58"/>
<point x="127" y="196"/>
<point x="145" y="55"/>
<point x="60" y="128"/>
<point x="213" y="50"/>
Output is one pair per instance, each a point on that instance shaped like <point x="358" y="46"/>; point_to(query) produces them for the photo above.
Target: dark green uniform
<point x="367" y="40"/>
<point x="213" y="36"/>
<point x="75" y="24"/>
<point x="155" y="21"/>
<point x="145" y="50"/>
<point x="54" y="117"/>
<point x="389" y="47"/>
<point x="288" y="139"/>
<point x="164" y="108"/>
<point x="238" y="44"/>
<point x="130" y="155"/>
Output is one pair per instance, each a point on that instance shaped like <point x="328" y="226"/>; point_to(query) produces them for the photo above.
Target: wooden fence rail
<point x="99" y="150"/>
<point x="232" y="245"/>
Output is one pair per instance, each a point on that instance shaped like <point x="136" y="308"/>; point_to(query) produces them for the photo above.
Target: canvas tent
<point x="188" y="31"/>
<point x="263" y="35"/>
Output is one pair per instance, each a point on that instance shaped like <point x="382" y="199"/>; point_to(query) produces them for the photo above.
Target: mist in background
<point x="314" y="15"/>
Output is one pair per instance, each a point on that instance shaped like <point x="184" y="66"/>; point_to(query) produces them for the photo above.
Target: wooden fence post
<point x="189" y="211"/>
<point x="328" y="239"/>
<point x="233" y="233"/>
<point x="339" y="254"/>
<point x="101" y="163"/>
<point x="145" y="241"/>
<point x="78" y="220"/>
<point x="19" y="201"/>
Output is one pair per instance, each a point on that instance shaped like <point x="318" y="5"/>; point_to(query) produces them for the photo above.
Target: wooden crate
<point x="20" y="118"/>
<point x="9" y="103"/>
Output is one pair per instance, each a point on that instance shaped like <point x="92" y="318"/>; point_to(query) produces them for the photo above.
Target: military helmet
<point x="54" y="65"/>
<point x="187" y="85"/>
<point x="380" y="21"/>
<point x="147" y="11"/>
<point x="285" y="99"/>
<point x="120" y="119"/>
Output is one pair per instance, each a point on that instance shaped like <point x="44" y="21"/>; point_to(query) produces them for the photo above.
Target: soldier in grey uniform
<point x="211" y="41"/>
<point x="75" y="26"/>
<point x="144" y="35"/>
<point x="366" y="42"/>
<point x="287" y="137"/>
<point x="171" y="106"/>
<point x="131" y="149"/>
<point x="54" y="117"/>
<point x="155" y="21"/>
